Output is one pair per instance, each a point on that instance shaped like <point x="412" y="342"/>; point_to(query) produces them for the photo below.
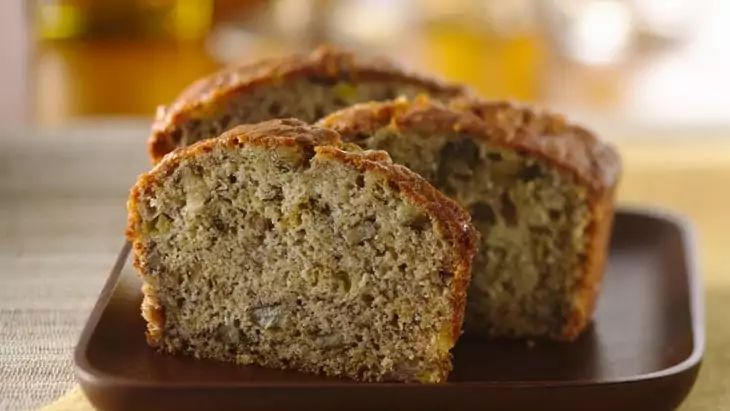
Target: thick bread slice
<point x="274" y="246"/>
<point x="540" y="192"/>
<point x="306" y="87"/>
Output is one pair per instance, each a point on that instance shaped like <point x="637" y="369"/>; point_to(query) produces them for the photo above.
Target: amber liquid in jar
<point x="127" y="19"/>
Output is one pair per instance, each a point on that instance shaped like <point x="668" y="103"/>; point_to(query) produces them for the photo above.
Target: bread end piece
<point x="327" y="261"/>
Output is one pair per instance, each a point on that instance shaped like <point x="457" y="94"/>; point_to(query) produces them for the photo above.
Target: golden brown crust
<point x="152" y="311"/>
<point x="550" y="136"/>
<point x="325" y="62"/>
<point x="593" y="163"/>
<point x="316" y="142"/>
<point x="546" y="135"/>
<point x="590" y="283"/>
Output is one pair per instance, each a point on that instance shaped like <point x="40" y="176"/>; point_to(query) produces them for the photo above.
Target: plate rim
<point x="87" y="375"/>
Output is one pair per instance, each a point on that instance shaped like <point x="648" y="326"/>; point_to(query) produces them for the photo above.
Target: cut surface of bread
<point x="274" y="246"/>
<point x="539" y="190"/>
<point x="306" y="87"/>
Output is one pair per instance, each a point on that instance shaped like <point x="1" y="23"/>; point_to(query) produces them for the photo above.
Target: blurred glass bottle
<point x="127" y="19"/>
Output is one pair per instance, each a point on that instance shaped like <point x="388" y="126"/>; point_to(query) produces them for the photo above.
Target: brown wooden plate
<point x="642" y="352"/>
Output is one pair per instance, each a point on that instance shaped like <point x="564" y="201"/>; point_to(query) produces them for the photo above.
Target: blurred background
<point x="656" y="61"/>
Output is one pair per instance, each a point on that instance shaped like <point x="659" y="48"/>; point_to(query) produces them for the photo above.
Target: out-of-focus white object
<point x="604" y="32"/>
<point x="294" y="17"/>
<point x="371" y="22"/>
<point x="688" y="85"/>
<point x="594" y="32"/>
<point x="670" y="19"/>
<point x="600" y="33"/>
<point x="280" y="27"/>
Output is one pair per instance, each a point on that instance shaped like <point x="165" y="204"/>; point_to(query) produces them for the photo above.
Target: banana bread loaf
<point x="306" y="87"/>
<point x="539" y="190"/>
<point x="275" y="246"/>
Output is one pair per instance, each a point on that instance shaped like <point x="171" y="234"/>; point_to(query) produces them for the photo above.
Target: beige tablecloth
<point x="62" y="197"/>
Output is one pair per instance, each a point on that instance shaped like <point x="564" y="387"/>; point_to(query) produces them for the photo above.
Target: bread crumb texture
<point x="539" y="190"/>
<point x="276" y="245"/>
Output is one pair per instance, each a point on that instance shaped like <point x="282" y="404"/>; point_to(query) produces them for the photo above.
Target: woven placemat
<point x="62" y="216"/>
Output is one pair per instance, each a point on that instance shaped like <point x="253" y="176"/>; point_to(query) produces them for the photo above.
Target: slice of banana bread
<point x="540" y="191"/>
<point x="274" y="246"/>
<point x="306" y="87"/>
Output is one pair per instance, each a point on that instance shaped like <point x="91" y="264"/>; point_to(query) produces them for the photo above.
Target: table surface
<point x="62" y="192"/>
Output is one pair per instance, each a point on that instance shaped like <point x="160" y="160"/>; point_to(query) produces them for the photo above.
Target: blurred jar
<point x="96" y="19"/>
<point x="115" y="57"/>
